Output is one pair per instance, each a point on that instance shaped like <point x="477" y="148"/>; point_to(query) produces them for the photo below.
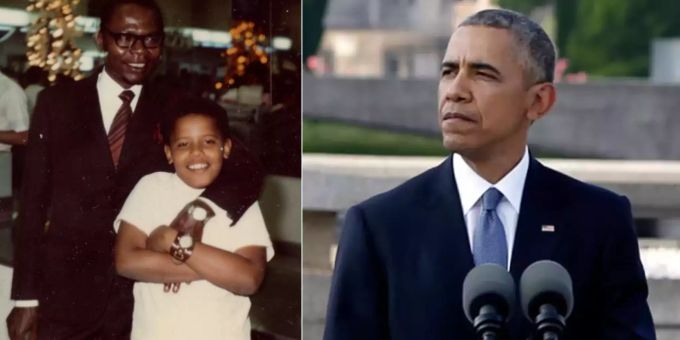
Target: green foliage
<point x="608" y="37"/>
<point x="330" y="137"/>
<point x="613" y="37"/>
<point x="566" y="13"/>
<point x="313" y="12"/>
<point x="341" y="138"/>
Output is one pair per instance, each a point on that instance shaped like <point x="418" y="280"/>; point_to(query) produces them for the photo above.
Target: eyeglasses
<point x="127" y="40"/>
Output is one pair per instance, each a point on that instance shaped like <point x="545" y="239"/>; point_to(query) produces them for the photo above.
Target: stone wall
<point x="623" y="119"/>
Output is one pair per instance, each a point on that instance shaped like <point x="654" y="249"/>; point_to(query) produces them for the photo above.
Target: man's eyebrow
<point x="449" y="64"/>
<point x="480" y="66"/>
<point x="477" y="66"/>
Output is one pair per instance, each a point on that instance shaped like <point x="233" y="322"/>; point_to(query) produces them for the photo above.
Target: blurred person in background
<point x="34" y="80"/>
<point x="13" y="127"/>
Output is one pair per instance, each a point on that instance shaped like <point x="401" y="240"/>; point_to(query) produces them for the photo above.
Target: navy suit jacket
<point x="403" y="256"/>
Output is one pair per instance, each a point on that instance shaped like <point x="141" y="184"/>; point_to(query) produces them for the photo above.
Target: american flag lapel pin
<point x="548" y="228"/>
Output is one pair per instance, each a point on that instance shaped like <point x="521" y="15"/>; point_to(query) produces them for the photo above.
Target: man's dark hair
<point x="110" y="7"/>
<point x="188" y="105"/>
<point x="536" y="50"/>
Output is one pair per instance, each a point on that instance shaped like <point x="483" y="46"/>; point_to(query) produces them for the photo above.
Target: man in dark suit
<point x="89" y="143"/>
<point x="404" y="254"/>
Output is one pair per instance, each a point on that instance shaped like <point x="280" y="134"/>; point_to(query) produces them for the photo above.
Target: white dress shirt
<point x="109" y="103"/>
<point x="472" y="186"/>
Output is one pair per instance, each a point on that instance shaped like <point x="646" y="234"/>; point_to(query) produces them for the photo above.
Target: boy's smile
<point x="197" y="150"/>
<point x="198" y="166"/>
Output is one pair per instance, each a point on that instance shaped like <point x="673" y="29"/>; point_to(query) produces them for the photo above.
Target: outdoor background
<point x="370" y="80"/>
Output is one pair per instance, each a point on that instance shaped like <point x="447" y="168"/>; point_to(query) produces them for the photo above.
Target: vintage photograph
<point x="150" y="169"/>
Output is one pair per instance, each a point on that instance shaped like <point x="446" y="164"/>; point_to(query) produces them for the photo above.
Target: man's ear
<point x="99" y="39"/>
<point x="226" y="148"/>
<point x="541" y="98"/>
<point x="168" y="154"/>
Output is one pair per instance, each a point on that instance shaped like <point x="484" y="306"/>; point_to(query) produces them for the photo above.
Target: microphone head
<point x="546" y="282"/>
<point x="488" y="284"/>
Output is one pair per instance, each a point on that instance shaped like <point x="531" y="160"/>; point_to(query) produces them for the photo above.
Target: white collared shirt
<point x="109" y="102"/>
<point x="13" y="109"/>
<point x="472" y="186"/>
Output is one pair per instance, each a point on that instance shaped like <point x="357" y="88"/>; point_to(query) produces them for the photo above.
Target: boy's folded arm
<point x="136" y="262"/>
<point x="240" y="272"/>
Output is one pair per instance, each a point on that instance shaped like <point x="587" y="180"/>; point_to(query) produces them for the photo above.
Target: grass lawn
<point x="342" y="138"/>
<point x="332" y="137"/>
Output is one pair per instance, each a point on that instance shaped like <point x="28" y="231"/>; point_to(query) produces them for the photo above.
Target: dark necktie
<point x="489" y="238"/>
<point x="119" y="126"/>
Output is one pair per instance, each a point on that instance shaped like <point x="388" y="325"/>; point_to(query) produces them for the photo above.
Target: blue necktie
<point x="489" y="245"/>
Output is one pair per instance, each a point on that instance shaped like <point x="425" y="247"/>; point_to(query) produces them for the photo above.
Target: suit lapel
<point x="540" y="206"/>
<point x="448" y="216"/>
<point x="89" y="107"/>
<point x="540" y="225"/>
<point x="91" y="119"/>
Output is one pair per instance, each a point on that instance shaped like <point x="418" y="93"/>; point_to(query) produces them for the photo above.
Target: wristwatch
<point x="198" y="213"/>
<point x="182" y="248"/>
<point x="189" y="223"/>
<point x="193" y="217"/>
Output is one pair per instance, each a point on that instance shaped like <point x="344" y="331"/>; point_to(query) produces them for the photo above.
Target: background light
<point x="282" y="43"/>
<point x="14" y="17"/>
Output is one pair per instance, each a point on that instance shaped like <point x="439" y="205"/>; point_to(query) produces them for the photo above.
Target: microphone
<point x="547" y="297"/>
<point x="488" y="299"/>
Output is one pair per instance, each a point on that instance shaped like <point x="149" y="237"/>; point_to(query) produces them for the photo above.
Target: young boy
<point x="222" y="265"/>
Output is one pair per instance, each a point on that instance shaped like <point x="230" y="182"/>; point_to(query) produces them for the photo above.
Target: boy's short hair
<point x="187" y="105"/>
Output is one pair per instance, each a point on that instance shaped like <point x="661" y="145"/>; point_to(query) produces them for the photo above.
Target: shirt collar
<point x="471" y="186"/>
<point x="184" y="189"/>
<point x="108" y="85"/>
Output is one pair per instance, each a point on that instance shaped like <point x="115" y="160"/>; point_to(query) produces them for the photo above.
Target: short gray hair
<point x="536" y="49"/>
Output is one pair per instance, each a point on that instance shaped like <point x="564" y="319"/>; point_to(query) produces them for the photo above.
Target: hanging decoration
<point x="51" y="38"/>
<point x="248" y="46"/>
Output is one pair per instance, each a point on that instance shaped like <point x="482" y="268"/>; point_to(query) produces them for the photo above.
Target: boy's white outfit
<point x="199" y="310"/>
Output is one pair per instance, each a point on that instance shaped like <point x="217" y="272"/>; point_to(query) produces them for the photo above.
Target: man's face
<point x="483" y="95"/>
<point x="197" y="150"/>
<point x="132" y="65"/>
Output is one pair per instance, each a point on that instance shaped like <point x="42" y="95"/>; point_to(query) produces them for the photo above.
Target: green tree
<point x="613" y="37"/>
<point x="313" y="13"/>
<point x="608" y="37"/>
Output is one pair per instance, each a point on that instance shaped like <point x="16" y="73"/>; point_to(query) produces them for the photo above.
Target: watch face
<point x="199" y="214"/>
<point x="186" y="241"/>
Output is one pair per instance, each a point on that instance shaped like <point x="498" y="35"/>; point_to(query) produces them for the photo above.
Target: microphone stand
<point x="549" y="323"/>
<point x="488" y="323"/>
